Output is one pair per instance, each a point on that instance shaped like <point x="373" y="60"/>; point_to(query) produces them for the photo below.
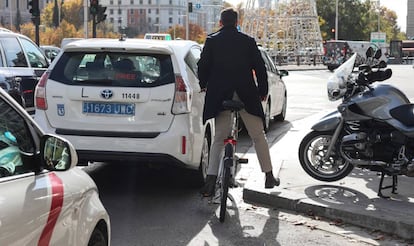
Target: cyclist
<point x="225" y="71"/>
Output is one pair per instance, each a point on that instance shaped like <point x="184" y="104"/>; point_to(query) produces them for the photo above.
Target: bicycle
<point x="228" y="167"/>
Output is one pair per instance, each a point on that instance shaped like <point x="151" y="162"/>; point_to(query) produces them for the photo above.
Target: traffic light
<point x="100" y="16"/>
<point x="34" y="8"/>
<point x="93" y="9"/>
<point x="190" y="7"/>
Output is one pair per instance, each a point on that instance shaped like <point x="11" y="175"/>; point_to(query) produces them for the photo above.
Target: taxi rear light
<point x="40" y="92"/>
<point x="182" y="96"/>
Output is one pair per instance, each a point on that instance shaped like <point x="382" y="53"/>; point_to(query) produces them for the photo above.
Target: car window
<point x="271" y="63"/>
<point x="1" y="57"/>
<point x="268" y="67"/>
<point x="114" y="69"/>
<point x="13" y="52"/>
<point x="34" y="54"/>
<point x="192" y="58"/>
<point x="15" y="140"/>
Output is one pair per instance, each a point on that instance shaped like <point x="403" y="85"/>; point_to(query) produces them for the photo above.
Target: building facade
<point x="142" y="16"/>
<point x="138" y="16"/>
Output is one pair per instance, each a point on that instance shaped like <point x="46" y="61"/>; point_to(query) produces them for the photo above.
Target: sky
<point x="399" y="6"/>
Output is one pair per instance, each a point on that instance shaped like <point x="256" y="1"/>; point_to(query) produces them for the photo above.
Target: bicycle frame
<point x="228" y="167"/>
<point x="232" y="138"/>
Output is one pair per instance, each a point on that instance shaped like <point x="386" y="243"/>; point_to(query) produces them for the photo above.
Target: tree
<point x="196" y="33"/>
<point x="351" y="25"/>
<point x="356" y="20"/>
<point x="177" y="31"/>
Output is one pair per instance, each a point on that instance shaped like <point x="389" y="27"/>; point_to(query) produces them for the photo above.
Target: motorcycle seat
<point x="404" y="114"/>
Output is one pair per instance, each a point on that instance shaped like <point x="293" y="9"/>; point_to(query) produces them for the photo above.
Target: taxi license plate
<point x="108" y="108"/>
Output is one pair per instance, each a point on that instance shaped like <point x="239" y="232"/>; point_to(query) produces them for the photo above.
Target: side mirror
<point x="378" y="54"/>
<point x="57" y="154"/>
<point x="370" y="52"/>
<point x="283" y="73"/>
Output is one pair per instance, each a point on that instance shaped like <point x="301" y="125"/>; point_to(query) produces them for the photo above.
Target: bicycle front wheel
<point x="225" y="182"/>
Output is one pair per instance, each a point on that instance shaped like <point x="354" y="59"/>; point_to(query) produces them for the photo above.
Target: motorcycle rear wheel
<point x="312" y="151"/>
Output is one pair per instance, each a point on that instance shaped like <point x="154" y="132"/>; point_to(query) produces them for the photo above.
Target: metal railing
<point x="298" y="60"/>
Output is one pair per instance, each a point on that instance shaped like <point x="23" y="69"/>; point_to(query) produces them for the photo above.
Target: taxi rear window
<point x="113" y="69"/>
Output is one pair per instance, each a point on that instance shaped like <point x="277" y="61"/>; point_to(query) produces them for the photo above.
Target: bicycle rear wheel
<point x="225" y="182"/>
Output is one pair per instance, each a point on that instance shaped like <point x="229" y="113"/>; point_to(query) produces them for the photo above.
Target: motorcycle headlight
<point x="336" y="88"/>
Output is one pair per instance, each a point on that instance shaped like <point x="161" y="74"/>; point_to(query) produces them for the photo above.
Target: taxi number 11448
<point x="130" y="95"/>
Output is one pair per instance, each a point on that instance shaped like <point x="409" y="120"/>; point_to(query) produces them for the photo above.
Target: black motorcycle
<point x="373" y="127"/>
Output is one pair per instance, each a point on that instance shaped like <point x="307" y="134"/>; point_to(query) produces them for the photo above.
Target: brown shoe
<point x="271" y="182"/>
<point x="209" y="187"/>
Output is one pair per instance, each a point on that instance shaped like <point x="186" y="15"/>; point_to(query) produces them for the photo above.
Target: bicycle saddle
<point x="233" y="105"/>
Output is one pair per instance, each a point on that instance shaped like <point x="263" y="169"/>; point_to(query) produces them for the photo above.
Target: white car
<point x="276" y="104"/>
<point x="44" y="198"/>
<point x="128" y="100"/>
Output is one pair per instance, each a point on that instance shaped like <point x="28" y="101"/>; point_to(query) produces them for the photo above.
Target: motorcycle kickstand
<point x="393" y="186"/>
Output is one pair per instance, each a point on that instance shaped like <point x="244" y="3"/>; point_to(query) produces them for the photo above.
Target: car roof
<point x="11" y="34"/>
<point x="49" y="46"/>
<point x="178" y="47"/>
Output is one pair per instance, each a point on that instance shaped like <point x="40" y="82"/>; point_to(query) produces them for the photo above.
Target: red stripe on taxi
<point x="55" y="209"/>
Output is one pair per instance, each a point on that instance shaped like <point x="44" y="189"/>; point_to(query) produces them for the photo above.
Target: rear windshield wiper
<point x="95" y="81"/>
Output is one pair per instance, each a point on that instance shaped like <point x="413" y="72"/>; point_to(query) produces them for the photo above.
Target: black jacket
<point x="226" y="66"/>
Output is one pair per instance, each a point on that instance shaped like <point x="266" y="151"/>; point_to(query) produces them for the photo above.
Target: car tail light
<point x="182" y="96"/>
<point x="40" y="92"/>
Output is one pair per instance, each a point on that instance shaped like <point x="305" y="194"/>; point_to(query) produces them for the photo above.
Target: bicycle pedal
<point x="243" y="160"/>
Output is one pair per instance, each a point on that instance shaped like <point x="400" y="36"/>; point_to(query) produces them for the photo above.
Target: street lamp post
<point x="336" y="21"/>
<point x="85" y="17"/>
<point x="379" y="14"/>
<point x="186" y="22"/>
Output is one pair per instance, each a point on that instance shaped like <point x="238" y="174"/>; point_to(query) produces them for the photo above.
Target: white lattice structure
<point x="285" y="27"/>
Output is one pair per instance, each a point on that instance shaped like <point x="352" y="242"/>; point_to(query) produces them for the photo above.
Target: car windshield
<point x="114" y="69"/>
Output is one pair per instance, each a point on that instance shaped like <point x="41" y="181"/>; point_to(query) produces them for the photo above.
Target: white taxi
<point x="128" y="100"/>
<point x="44" y="198"/>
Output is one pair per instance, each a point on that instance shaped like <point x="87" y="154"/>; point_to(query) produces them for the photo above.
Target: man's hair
<point x="228" y="17"/>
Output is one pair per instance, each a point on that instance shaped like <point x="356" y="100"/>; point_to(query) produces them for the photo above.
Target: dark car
<point x="22" y="63"/>
<point x="50" y="51"/>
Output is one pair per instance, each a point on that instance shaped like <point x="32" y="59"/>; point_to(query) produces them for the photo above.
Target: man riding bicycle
<point x="225" y="71"/>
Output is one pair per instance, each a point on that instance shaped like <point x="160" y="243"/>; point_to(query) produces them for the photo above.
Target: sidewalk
<point x="353" y="199"/>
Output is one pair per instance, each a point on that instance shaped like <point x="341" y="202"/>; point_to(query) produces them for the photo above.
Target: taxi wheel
<point x="98" y="238"/>
<point x="267" y="117"/>
<point x="205" y="152"/>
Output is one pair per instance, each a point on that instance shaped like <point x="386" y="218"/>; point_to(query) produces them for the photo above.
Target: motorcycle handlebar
<point x="373" y="76"/>
<point x="382" y="75"/>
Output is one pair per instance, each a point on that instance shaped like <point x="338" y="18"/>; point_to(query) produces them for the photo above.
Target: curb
<point x="384" y="221"/>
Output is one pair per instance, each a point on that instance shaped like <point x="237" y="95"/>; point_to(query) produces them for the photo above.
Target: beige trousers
<point x="254" y="126"/>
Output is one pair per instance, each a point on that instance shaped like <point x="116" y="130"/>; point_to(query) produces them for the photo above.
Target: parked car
<point x="128" y="100"/>
<point x="21" y="64"/>
<point x="50" y="51"/>
<point x="45" y="198"/>
<point x="276" y="104"/>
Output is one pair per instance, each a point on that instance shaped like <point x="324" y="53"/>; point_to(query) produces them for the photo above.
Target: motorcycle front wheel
<point x="312" y="152"/>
